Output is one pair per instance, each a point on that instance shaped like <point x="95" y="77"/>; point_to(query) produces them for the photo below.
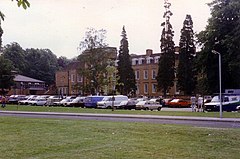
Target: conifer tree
<point x="166" y="66"/>
<point x="185" y="71"/>
<point x="126" y="77"/>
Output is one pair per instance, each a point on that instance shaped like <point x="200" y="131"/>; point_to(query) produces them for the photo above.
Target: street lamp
<point x="220" y="81"/>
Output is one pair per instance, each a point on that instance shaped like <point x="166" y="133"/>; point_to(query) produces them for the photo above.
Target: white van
<point x="109" y="101"/>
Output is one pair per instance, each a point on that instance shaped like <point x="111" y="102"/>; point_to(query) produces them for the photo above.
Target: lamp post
<point x="220" y="81"/>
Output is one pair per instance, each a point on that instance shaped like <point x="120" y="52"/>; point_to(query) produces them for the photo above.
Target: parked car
<point x="77" y="102"/>
<point x="39" y="102"/>
<point x="26" y="100"/>
<point x="91" y="101"/>
<point x="165" y="102"/>
<point x="52" y="99"/>
<point x="148" y="105"/>
<point x="229" y="103"/>
<point x="238" y="108"/>
<point x="109" y="101"/>
<point x="180" y="103"/>
<point x="13" y="99"/>
<point x="130" y="104"/>
<point x="64" y="102"/>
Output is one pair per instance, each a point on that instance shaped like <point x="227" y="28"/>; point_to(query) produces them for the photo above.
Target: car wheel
<point x="159" y="108"/>
<point x="146" y="108"/>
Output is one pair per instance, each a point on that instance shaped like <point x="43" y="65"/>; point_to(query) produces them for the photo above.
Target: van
<point x="91" y="101"/>
<point x="109" y="101"/>
<point x="229" y="103"/>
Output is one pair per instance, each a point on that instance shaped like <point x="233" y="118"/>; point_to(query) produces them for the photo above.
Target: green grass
<point x="27" y="138"/>
<point x="107" y="111"/>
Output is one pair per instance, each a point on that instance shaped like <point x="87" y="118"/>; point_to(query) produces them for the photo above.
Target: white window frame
<point x="137" y="74"/>
<point x="72" y="78"/>
<point x="145" y="88"/>
<point x="154" y="74"/>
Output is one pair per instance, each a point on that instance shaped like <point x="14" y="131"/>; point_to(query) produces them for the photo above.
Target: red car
<point x="179" y="103"/>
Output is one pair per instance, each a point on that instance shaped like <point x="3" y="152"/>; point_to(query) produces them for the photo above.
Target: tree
<point x="6" y="78"/>
<point x="17" y="55"/>
<point x="126" y="81"/>
<point x="63" y="62"/>
<point x="223" y="35"/>
<point x="94" y="60"/>
<point x="166" y="66"/>
<point x="42" y="65"/>
<point x="185" y="72"/>
<point x="1" y="33"/>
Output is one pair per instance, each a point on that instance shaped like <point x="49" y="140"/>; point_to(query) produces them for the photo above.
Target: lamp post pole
<point x="220" y="81"/>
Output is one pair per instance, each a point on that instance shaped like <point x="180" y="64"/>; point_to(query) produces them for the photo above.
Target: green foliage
<point x="126" y="76"/>
<point x="222" y="34"/>
<point x="63" y="62"/>
<point x="94" y="60"/>
<point x="185" y="72"/>
<point x="166" y="66"/>
<point x="17" y="55"/>
<point x="35" y="63"/>
<point x="42" y="65"/>
<point x="6" y="78"/>
<point x="1" y="33"/>
<point x="24" y="3"/>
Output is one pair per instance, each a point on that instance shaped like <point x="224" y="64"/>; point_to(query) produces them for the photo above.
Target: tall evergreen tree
<point x="166" y="66"/>
<point x="185" y="72"/>
<point x="126" y="81"/>
<point x="223" y="35"/>
<point x="1" y="33"/>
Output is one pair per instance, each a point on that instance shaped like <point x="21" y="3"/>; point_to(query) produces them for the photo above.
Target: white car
<point x="109" y="101"/>
<point x="39" y="102"/>
<point x="149" y="105"/>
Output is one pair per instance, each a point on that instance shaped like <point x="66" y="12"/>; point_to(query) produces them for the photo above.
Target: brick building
<point x="146" y="69"/>
<point x="24" y="85"/>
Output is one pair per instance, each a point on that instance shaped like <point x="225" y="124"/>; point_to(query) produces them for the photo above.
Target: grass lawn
<point x="22" y="138"/>
<point x="109" y="111"/>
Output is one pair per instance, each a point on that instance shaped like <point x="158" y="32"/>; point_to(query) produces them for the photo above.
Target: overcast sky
<point x="60" y="25"/>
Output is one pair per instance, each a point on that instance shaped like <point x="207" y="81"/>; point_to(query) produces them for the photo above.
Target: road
<point x="193" y="121"/>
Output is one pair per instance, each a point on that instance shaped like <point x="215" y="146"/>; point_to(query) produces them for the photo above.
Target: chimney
<point x="149" y="52"/>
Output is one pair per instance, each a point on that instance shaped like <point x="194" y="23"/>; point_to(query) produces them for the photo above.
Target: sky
<point x="60" y="25"/>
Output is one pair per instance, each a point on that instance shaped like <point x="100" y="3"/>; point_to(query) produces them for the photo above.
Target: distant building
<point x="26" y="85"/>
<point x="70" y="82"/>
<point x="146" y="70"/>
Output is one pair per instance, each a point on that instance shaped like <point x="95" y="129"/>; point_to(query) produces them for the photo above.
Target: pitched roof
<point x="21" y="78"/>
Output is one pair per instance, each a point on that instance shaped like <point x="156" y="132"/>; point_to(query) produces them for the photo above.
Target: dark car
<point x="130" y="104"/>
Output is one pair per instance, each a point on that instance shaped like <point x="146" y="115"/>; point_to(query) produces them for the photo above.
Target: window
<point x="137" y="91"/>
<point x="154" y="88"/>
<point x="136" y="74"/>
<point x="145" y="88"/>
<point x="145" y="74"/>
<point x="72" y="77"/>
<point x="154" y="74"/>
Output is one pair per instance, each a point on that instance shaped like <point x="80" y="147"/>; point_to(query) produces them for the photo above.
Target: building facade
<point x="69" y="81"/>
<point x="146" y="70"/>
<point x="24" y="85"/>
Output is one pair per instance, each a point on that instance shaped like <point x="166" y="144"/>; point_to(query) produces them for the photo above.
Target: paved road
<point x="193" y="121"/>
